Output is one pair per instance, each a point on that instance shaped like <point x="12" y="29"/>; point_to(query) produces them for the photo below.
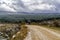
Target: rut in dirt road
<point x="41" y="33"/>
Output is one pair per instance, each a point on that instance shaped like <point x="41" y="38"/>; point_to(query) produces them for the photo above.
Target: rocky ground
<point x="12" y="31"/>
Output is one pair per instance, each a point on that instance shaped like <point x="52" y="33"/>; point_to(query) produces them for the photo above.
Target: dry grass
<point x="22" y="34"/>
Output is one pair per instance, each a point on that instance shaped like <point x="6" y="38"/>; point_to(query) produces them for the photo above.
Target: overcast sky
<point x="52" y="6"/>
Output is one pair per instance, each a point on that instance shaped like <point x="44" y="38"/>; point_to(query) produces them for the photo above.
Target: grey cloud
<point x="19" y="6"/>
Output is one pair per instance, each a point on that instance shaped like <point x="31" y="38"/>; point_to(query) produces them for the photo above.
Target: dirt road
<point x="41" y="33"/>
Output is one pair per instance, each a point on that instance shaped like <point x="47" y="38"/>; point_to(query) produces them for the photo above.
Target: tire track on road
<point x="41" y="33"/>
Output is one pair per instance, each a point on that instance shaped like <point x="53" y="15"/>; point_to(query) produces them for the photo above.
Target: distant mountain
<point x="9" y="12"/>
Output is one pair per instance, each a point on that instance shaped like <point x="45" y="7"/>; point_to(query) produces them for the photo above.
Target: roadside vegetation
<point x="8" y="30"/>
<point x="22" y="34"/>
<point x="54" y="24"/>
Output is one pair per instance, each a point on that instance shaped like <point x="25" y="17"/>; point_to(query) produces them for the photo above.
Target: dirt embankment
<point x="13" y="31"/>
